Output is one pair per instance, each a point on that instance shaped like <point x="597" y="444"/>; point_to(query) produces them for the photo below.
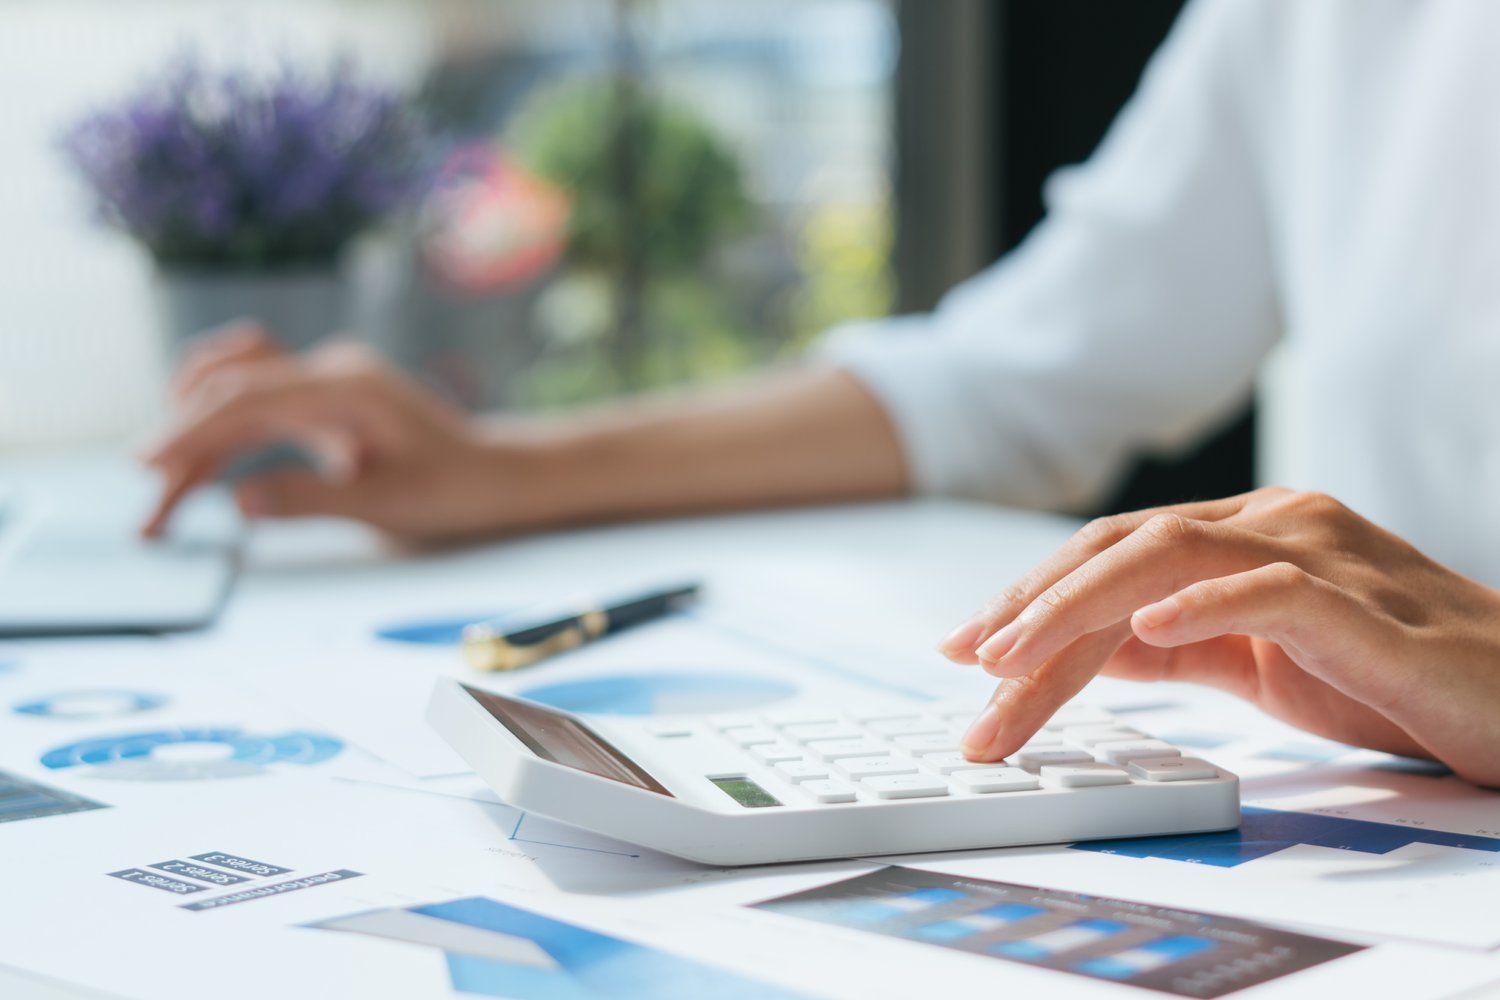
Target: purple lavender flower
<point x="225" y="171"/>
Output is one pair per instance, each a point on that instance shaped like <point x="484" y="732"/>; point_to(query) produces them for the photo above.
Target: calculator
<point x="809" y="782"/>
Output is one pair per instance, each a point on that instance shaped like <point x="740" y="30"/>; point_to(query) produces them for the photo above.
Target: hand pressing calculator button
<point x="947" y="763"/>
<point x="754" y="792"/>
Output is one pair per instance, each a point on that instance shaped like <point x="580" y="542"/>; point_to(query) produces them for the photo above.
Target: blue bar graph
<point x="980" y="922"/>
<point x="1074" y="935"/>
<point x="1263" y="832"/>
<point x="872" y="911"/>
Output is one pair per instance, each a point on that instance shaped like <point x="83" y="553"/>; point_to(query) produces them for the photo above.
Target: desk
<point x="873" y="584"/>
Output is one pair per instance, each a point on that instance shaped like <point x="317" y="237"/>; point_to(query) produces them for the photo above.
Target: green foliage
<point x="688" y="192"/>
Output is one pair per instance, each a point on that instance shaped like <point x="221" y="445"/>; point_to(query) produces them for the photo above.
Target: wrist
<point x="533" y="477"/>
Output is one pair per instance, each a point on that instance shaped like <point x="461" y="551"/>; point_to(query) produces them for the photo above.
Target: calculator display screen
<point x="564" y="740"/>
<point x="746" y="792"/>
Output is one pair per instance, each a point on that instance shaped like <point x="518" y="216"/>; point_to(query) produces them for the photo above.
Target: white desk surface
<point x="894" y="576"/>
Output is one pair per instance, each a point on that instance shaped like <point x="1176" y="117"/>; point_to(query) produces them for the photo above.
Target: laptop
<point x="72" y="561"/>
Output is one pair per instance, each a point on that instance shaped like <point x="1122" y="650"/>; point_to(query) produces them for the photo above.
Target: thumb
<point x="294" y="493"/>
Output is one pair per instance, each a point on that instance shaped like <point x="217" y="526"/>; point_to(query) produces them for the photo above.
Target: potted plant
<point x="247" y="191"/>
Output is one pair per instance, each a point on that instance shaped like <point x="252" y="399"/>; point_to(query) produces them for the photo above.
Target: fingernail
<point x="340" y="467"/>
<point x="983" y="730"/>
<point x="1159" y="614"/>
<point x="962" y="639"/>
<point x="1000" y="643"/>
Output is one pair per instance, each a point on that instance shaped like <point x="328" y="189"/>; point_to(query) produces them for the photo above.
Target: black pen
<point x="510" y="642"/>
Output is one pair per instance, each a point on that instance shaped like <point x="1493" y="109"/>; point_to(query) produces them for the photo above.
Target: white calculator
<point x="808" y="782"/>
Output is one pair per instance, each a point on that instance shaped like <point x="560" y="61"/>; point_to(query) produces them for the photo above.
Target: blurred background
<point x="554" y="201"/>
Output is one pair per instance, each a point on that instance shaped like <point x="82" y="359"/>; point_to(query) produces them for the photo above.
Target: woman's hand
<point x="385" y="450"/>
<point x="1289" y="600"/>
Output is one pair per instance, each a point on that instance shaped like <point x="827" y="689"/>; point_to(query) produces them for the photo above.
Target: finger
<point x="176" y="485"/>
<point x="286" y="404"/>
<point x="1022" y="705"/>
<point x="235" y="343"/>
<point x="295" y="494"/>
<point x="1155" y="560"/>
<point x="1225" y="662"/>
<point x="1330" y="634"/>
<point x="1094" y="538"/>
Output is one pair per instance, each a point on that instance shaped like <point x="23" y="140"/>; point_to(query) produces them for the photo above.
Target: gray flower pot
<point x="300" y="308"/>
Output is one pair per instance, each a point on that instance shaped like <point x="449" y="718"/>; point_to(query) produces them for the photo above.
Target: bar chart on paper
<point x="1263" y="832"/>
<point x="1186" y="954"/>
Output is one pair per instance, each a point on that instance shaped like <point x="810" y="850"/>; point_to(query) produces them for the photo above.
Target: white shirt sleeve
<point x="1131" y="319"/>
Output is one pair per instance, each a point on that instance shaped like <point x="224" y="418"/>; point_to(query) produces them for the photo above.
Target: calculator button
<point x="1173" y="769"/>
<point x="732" y="721"/>
<point x="905" y="786"/>
<point x="928" y="743"/>
<point x="669" y="729"/>
<point x="1128" y="750"/>
<point x="798" y="716"/>
<point x="996" y="779"/>
<point x="1084" y="775"/>
<point x="868" y="713"/>
<point x="805" y="731"/>
<point x="834" y="749"/>
<point x="1078" y="715"/>
<point x="907" y="726"/>
<point x="1033" y="759"/>
<point x="1087" y="736"/>
<point x="773" y="753"/>
<point x="947" y="763"/>
<point x="801" y="770"/>
<point x="865" y="767"/>
<point x="748" y="736"/>
<point x="828" y="790"/>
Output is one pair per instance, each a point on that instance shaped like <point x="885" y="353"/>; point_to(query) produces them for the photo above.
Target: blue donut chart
<point x="91" y="703"/>
<point x="242" y="752"/>
<point x="661" y="693"/>
<point x="445" y="631"/>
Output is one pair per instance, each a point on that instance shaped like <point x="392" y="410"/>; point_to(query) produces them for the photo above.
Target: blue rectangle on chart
<point x="1108" y="967"/>
<point x="1178" y="946"/>
<point x="1021" y="949"/>
<point x="979" y="922"/>
<point x="934" y="897"/>
<point x="946" y="930"/>
<point x="1101" y="926"/>
<point x="200" y="873"/>
<point x="245" y="866"/>
<point x="155" y="880"/>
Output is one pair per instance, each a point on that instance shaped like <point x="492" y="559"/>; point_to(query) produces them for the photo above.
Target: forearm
<point x="806" y="436"/>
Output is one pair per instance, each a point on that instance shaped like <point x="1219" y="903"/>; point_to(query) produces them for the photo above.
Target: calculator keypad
<point x="885" y="753"/>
